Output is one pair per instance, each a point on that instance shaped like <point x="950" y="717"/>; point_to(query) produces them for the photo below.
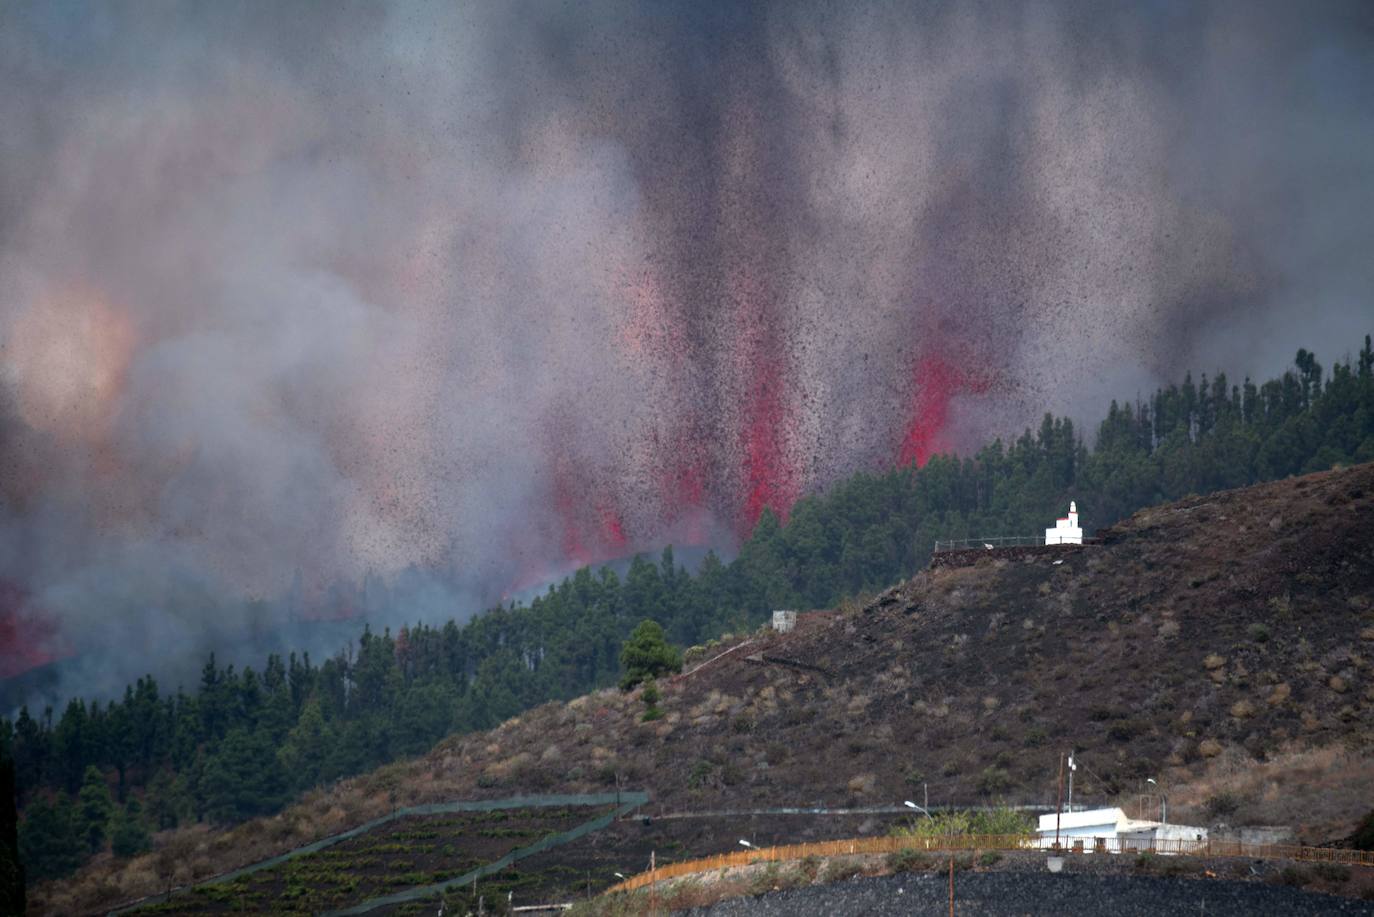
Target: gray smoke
<point x="302" y="293"/>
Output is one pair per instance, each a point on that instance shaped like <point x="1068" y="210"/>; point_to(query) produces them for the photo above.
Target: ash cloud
<point x="307" y="294"/>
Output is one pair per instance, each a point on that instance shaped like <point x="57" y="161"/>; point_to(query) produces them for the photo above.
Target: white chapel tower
<point x="1066" y="531"/>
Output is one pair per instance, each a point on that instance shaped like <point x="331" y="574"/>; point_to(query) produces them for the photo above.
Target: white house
<point x="1066" y="531"/>
<point x="1083" y="829"/>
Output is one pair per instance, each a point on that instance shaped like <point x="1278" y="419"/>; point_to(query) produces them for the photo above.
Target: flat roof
<point x="1112" y="816"/>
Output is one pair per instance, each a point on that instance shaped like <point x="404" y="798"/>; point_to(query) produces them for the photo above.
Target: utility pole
<point x="1072" y="767"/>
<point x="1059" y="807"/>
<point x="951" y="884"/>
<point x="653" y="885"/>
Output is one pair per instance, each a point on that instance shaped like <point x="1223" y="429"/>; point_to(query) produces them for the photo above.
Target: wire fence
<point x="626" y="801"/>
<point x="999" y="541"/>
<point x="956" y="843"/>
<point x="1005" y="541"/>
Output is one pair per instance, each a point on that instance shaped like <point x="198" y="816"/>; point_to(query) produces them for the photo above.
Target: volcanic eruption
<point x="497" y="292"/>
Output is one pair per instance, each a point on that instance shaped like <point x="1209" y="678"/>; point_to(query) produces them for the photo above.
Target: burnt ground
<point x="1219" y="644"/>
<point x="404" y="853"/>
<point x="1273" y="885"/>
<point x="588" y="865"/>
<point x="1236" y="625"/>
<point x="1003" y="894"/>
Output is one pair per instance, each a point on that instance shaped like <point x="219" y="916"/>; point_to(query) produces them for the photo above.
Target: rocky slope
<point x="1234" y="627"/>
<point x="1220" y="644"/>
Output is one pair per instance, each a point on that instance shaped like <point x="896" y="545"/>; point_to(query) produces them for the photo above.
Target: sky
<point x="296" y="293"/>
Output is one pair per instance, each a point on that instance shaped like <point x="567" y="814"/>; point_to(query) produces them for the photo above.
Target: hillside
<point x="1217" y="644"/>
<point x="1228" y="622"/>
<point x="245" y="742"/>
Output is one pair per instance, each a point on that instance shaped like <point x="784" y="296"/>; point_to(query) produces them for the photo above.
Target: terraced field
<point x="406" y="853"/>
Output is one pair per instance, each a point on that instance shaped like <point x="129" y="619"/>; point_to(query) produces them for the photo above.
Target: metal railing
<point x="1005" y="541"/>
<point x="999" y="541"/>
<point x="953" y="843"/>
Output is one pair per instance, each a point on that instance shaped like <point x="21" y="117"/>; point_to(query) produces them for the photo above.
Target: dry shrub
<point x="512" y="766"/>
<point x="840" y="868"/>
<point x="863" y="783"/>
<point x="1320" y="792"/>
<point x="688" y="893"/>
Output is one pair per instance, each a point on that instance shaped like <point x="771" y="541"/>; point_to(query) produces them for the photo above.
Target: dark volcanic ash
<point x="301" y="293"/>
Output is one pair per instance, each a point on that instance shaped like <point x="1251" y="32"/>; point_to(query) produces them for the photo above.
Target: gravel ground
<point x="1010" y="893"/>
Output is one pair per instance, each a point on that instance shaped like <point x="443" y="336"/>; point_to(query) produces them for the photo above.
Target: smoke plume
<point x="296" y="294"/>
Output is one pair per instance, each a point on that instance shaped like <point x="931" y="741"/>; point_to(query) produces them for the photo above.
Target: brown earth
<point x="408" y="852"/>
<point x="1012" y="883"/>
<point x="1219" y="644"/>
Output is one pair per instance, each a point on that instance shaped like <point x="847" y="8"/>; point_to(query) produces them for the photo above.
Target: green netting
<point x="628" y="800"/>
<point x="635" y="800"/>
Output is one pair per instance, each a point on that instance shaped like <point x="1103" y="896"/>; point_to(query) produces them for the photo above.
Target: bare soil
<point x="401" y="854"/>
<point x="1221" y="645"/>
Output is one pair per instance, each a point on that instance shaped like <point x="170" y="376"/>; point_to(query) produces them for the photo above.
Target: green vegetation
<point x="908" y="860"/>
<point x="1001" y="821"/>
<point x="651" y="698"/>
<point x="94" y="808"/>
<point x="129" y="836"/>
<point x="245" y="742"/>
<point x="647" y="654"/>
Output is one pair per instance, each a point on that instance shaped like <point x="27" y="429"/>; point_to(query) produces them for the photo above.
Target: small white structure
<point x="784" y="621"/>
<point x="1066" y="531"/>
<point x="1083" y="829"/>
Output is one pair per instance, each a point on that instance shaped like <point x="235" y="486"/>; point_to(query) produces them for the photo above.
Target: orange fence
<point x="951" y="843"/>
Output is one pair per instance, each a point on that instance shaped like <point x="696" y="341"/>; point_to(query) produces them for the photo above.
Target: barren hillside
<point x="1218" y="644"/>
<point x="1235" y="623"/>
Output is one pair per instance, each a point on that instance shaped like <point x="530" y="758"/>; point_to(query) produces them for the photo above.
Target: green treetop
<point x="647" y="654"/>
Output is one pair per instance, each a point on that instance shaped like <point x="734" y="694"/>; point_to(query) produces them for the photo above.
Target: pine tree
<point x="130" y="835"/>
<point x="96" y="807"/>
<point x="169" y="800"/>
<point x="651" y="697"/>
<point x="51" y="842"/>
<point x="647" y="654"/>
<point x="243" y="777"/>
<point x="306" y="749"/>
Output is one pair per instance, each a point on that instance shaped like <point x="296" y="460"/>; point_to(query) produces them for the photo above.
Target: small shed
<point x="784" y="622"/>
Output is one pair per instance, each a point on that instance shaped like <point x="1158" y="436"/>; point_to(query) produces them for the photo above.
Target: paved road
<point x="1011" y="893"/>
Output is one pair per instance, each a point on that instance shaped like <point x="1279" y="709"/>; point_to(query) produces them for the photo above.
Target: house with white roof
<point x="1066" y="530"/>
<point x="1082" y="830"/>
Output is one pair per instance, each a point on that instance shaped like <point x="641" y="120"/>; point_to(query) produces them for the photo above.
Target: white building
<point x="784" y="622"/>
<point x="1083" y="829"/>
<point x="1066" y="531"/>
